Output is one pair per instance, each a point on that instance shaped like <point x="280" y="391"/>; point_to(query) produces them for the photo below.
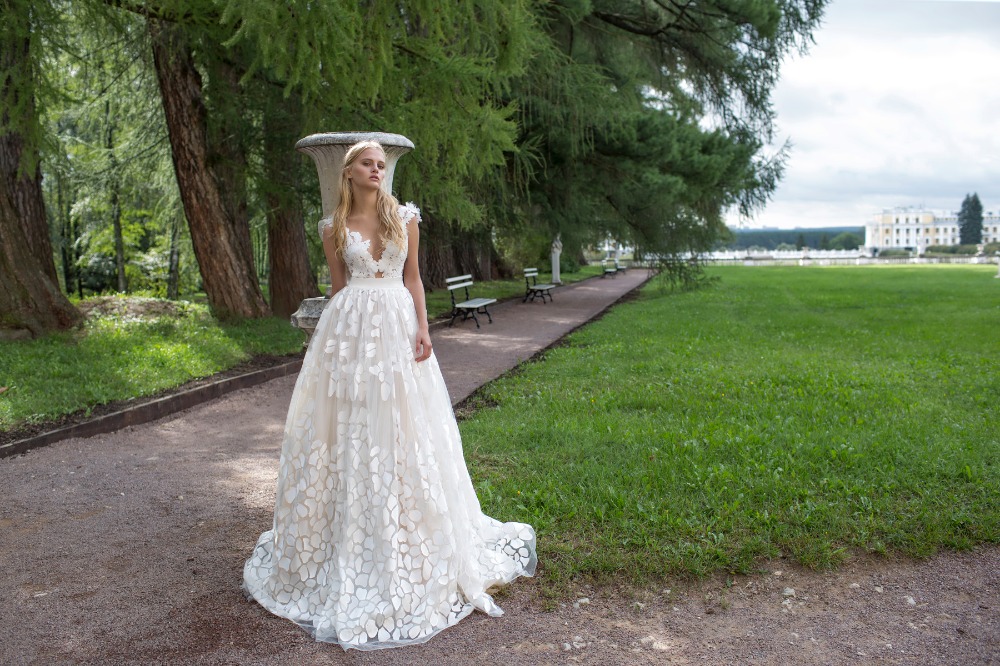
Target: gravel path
<point x="127" y="548"/>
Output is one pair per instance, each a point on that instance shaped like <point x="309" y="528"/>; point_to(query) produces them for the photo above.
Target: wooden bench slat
<point x="459" y="286"/>
<point x="475" y="302"/>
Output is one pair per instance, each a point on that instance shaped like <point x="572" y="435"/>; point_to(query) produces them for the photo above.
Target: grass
<point x="439" y="300"/>
<point x="120" y="355"/>
<point x="806" y="412"/>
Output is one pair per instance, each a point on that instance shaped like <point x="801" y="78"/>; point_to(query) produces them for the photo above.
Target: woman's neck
<point x="365" y="204"/>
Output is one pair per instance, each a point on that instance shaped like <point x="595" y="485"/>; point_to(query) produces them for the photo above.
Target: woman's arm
<point x="338" y="269"/>
<point x="411" y="278"/>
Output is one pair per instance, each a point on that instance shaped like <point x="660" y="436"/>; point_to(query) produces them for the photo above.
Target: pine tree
<point x="31" y="301"/>
<point x="578" y="117"/>
<point x="970" y="220"/>
<point x="622" y="150"/>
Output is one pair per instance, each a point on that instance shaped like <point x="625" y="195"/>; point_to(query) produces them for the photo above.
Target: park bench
<point x="531" y="287"/>
<point x="470" y="306"/>
<point x="612" y="267"/>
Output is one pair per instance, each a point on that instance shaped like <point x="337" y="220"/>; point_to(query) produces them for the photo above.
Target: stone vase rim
<point x="350" y="138"/>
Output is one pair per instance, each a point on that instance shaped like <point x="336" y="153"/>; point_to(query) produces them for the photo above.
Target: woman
<point x="378" y="537"/>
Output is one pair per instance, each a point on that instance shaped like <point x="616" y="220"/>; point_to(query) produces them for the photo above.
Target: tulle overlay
<point x="378" y="537"/>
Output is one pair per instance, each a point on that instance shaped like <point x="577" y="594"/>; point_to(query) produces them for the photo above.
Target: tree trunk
<point x="26" y="189"/>
<point x="437" y="261"/>
<point x="68" y="237"/>
<point x="65" y="247"/>
<point x="226" y="143"/>
<point x="290" y="278"/>
<point x="474" y="252"/>
<point x="173" y="274"/>
<point x="23" y="181"/>
<point x="221" y="241"/>
<point x="31" y="303"/>
<point x="258" y="240"/>
<point x="114" y="185"/>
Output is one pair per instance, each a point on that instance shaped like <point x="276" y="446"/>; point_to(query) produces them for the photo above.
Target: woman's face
<point x="368" y="169"/>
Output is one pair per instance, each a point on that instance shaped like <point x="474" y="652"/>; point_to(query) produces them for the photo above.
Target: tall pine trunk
<point x="67" y="242"/>
<point x="220" y="238"/>
<point x="31" y="302"/>
<point x="437" y="261"/>
<point x="174" y="266"/>
<point x="114" y="186"/>
<point x="291" y="278"/>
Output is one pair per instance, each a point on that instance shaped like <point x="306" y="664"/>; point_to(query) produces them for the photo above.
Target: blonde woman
<point x="378" y="537"/>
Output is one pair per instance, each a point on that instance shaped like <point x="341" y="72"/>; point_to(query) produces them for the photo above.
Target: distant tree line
<point x="829" y="238"/>
<point x="148" y="144"/>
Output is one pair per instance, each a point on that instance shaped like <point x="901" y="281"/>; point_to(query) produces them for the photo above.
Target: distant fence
<point x="831" y="258"/>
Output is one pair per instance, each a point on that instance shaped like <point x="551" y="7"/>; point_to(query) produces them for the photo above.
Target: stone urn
<point x="328" y="151"/>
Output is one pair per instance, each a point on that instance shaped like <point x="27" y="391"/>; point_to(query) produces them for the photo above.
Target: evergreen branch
<point x="161" y="12"/>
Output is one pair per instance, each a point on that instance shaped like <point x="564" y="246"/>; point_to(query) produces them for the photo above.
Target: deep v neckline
<point x="367" y="243"/>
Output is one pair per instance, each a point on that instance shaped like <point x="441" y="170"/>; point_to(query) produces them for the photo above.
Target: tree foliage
<point x="846" y="241"/>
<point x="970" y="220"/>
<point x="639" y="120"/>
<point x="662" y="126"/>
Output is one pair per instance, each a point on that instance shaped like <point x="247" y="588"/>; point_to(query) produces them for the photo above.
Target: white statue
<point x="556" y="251"/>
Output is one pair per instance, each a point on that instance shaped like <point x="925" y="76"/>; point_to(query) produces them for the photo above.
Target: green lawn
<point x="809" y="412"/>
<point x="121" y="356"/>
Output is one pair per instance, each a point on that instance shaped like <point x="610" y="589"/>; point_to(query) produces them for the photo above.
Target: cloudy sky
<point x="896" y="104"/>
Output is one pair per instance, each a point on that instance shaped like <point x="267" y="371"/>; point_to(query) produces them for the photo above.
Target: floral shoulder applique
<point x="324" y="223"/>
<point x="409" y="212"/>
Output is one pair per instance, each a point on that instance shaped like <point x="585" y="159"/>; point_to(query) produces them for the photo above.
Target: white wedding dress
<point x="378" y="538"/>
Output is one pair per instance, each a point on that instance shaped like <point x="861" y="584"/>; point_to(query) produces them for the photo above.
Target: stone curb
<point x="152" y="410"/>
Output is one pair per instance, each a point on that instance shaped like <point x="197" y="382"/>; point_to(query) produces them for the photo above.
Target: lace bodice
<point x="358" y="253"/>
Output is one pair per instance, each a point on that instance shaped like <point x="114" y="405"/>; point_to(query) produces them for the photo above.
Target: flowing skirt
<point x="378" y="537"/>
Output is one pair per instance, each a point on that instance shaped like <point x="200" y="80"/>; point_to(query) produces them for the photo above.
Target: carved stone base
<point x="307" y="316"/>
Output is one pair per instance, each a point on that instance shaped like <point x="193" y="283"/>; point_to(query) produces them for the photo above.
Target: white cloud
<point x="897" y="103"/>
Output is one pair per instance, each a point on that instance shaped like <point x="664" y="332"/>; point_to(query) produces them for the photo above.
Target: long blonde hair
<point x="390" y="227"/>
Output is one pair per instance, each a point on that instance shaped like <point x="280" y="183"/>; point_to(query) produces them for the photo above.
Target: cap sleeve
<point x="409" y="212"/>
<point x="324" y="222"/>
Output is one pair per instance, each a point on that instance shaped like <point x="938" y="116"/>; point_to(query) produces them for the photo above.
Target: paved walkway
<point x="470" y="357"/>
<point x="128" y="547"/>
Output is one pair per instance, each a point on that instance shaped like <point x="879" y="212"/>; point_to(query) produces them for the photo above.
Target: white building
<point x="913" y="228"/>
